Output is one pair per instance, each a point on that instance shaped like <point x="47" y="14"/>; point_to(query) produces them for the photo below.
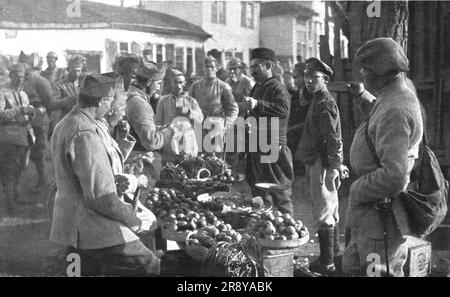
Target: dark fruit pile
<point x="211" y="235"/>
<point x="189" y="169"/>
<point x="277" y="226"/>
<point x="164" y="201"/>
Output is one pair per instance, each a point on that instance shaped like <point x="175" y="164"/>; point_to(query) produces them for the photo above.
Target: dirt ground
<point x="26" y="251"/>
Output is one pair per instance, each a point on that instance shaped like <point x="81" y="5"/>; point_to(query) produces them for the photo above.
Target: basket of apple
<point x="277" y="230"/>
<point x="201" y="240"/>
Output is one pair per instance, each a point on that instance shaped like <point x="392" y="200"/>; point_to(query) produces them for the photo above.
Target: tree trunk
<point x="392" y="22"/>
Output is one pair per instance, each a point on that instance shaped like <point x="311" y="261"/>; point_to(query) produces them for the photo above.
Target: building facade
<point x="234" y="25"/>
<point x="101" y="33"/>
<point x="294" y="28"/>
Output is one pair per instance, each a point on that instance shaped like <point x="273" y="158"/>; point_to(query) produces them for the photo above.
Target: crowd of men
<point x="97" y="123"/>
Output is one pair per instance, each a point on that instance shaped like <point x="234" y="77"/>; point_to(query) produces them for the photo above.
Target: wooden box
<point x="418" y="263"/>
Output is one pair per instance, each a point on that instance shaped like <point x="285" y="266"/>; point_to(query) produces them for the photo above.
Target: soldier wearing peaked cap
<point x="321" y="149"/>
<point x="88" y="215"/>
<point x="15" y="130"/>
<point x="66" y="91"/>
<point x="241" y="86"/>
<point x="141" y="117"/>
<point x="270" y="102"/>
<point x="53" y="74"/>
<point x="40" y="93"/>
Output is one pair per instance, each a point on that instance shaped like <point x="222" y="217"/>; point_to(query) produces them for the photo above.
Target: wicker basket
<point x="283" y="244"/>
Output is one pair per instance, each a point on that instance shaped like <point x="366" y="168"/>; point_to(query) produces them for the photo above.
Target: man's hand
<point x="253" y="102"/>
<point x="142" y="181"/>
<point x="332" y="181"/>
<point x="122" y="184"/>
<point x="148" y="219"/>
<point x="345" y="173"/>
<point x="123" y="128"/>
<point x="355" y="88"/>
<point x="27" y="110"/>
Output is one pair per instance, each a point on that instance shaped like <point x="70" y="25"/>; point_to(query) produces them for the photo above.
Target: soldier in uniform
<point x="395" y="126"/>
<point x="241" y="86"/>
<point x="88" y="215"/>
<point x="140" y="115"/>
<point x="67" y="90"/>
<point x="270" y="99"/>
<point x="215" y="97"/>
<point x="53" y="73"/>
<point x="40" y="94"/>
<point x="15" y="130"/>
<point x="321" y="150"/>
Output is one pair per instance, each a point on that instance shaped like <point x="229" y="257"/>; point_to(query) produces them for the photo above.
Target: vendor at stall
<point x="215" y="99"/>
<point x="88" y="215"/>
<point x="139" y="114"/>
<point x="270" y="99"/>
<point x="175" y="105"/>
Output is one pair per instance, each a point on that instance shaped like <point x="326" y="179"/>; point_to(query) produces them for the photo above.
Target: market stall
<point x="218" y="231"/>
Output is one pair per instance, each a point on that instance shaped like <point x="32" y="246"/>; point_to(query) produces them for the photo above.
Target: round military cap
<point x="19" y="68"/>
<point x="235" y="63"/>
<point x="52" y="55"/>
<point x="76" y="61"/>
<point x="150" y="71"/>
<point x="215" y="53"/>
<point x="263" y="53"/>
<point x="314" y="64"/>
<point x="382" y="55"/>
<point x="98" y="86"/>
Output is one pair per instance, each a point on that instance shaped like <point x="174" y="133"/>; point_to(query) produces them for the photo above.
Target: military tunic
<point x="321" y="150"/>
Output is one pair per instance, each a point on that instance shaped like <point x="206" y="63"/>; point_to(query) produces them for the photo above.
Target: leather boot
<point x="337" y="245"/>
<point x="325" y="264"/>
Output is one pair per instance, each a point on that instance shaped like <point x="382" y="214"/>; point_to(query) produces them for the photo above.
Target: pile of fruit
<point x="163" y="202"/>
<point x="277" y="226"/>
<point x="211" y="235"/>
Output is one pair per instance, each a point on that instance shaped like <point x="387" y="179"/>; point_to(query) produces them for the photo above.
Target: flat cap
<point x="215" y="53"/>
<point x="150" y="71"/>
<point x="98" y="86"/>
<point x="76" y="61"/>
<point x="235" y="63"/>
<point x="263" y="53"/>
<point x="52" y="55"/>
<point x="19" y="68"/>
<point x="314" y="64"/>
<point x="382" y="55"/>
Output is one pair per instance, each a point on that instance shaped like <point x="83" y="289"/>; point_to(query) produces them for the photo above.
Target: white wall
<point x="278" y="34"/>
<point x="190" y="11"/>
<point x="43" y="41"/>
<point x="232" y="36"/>
<point x="229" y="37"/>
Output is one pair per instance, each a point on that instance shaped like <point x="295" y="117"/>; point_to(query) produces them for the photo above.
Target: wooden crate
<point x="278" y="263"/>
<point x="418" y="263"/>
